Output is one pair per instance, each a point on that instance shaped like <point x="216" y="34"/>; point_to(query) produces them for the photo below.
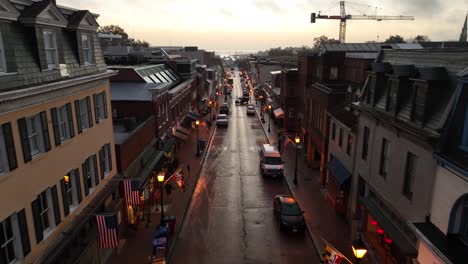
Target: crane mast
<point x="343" y="17"/>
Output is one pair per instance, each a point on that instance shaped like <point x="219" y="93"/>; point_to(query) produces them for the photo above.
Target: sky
<point x="262" y="24"/>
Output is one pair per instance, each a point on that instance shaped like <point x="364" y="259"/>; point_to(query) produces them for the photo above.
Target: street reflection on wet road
<point x="230" y="219"/>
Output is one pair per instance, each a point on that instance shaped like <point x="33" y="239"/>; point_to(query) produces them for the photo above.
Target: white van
<point x="271" y="162"/>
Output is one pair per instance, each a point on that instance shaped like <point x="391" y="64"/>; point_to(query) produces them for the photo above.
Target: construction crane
<point x="343" y="17"/>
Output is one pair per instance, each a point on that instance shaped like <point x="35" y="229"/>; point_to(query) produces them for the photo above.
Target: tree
<point x="420" y="38"/>
<point x="395" y="39"/>
<point x="114" y="29"/>
<point x="323" y="39"/>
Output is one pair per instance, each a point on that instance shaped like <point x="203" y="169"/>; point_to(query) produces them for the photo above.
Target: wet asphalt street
<point x="230" y="219"/>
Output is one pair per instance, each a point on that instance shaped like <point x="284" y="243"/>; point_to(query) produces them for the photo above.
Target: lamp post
<point x="261" y="108"/>
<point x="161" y="181"/>
<point x="269" y="117"/>
<point x="297" y="140"/>
<point x="197" y="124"/>
<point x="359" y="249"/>
<point x="210" y="105"/>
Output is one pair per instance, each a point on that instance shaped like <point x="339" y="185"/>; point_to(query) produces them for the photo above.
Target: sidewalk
<point x="137" y="245"/>
<point x="321" y="220"/>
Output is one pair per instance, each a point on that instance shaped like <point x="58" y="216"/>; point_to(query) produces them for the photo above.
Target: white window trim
<point x="84" y="114"/>
<point x="36" y="122"/>
<point x="51" y="65"/>
<point x="107" y="160"/>
<point x="63" y="123"/>
<point x="90" y="167"/>
<point x="13" y="239"/>
<point x="87" y="59"/>
<point x="100" y="106"/>
<point x="3" y="68"/>
<point x="72" y="205"/>
<point x="50" y="214"/>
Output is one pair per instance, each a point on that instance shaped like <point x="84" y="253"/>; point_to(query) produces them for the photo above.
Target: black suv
<point x="288" y="213"/>
<point x="224" y="109"/>
<point x="242" y="100"/>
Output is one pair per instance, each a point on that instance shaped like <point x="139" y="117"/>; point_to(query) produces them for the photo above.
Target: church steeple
<point x="463" y="34"/>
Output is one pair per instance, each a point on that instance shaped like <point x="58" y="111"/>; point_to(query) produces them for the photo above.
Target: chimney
<point x="463" y="33"/>
<point x="378" y="80"/>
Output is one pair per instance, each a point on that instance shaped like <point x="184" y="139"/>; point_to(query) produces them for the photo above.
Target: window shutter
<point x="55" y="204"/>
<point x="78" y="185"/>
<point x="90" y="113"/>
<point x="37" y="221"/>
<point x="85" y="180"/>
<point x="96" y="113"/>
<point x="53" y="112"/>
<point x="24" y="139"/>
<point x="23" y="228"/>
<point x="104" y="102"/>
<point x="45" y="130"/>
<point x="96" y="174"/>
<point x="66" y="205"/>
<point x="70" y="120"/>
<point x="78" y="116"/>
<point x="10" y="146"/>
<point x="101" y="162"/>
<point x="109" y="152"/>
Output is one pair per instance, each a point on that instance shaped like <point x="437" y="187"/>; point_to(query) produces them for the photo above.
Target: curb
<point x="317" y="244"/>
<point x="176" y="236"/>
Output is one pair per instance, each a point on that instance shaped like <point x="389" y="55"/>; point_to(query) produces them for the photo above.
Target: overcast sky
<point x="262" y="24"/>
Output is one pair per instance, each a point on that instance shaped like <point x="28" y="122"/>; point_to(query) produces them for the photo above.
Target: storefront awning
<point x="192" y="115"/>
<point x="279" y="113"/>
<point x="394" y="233"/>
<point x="179" y="135"/>
<point x="338" y="171"/>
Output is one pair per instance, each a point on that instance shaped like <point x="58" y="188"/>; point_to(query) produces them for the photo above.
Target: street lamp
<point x="359" y="249"/>
<point x="161" y="181"/>
<point x="261" y="107"/>
<point x="297" y="140"/>
<point x="269" y="117"/>
<point x="197" y="124"/>
<point x="210" y="104"/>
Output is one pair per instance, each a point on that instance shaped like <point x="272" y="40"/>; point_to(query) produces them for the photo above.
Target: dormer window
<point x="2" y="55"/>
<point x="50" y="45"/>
<point x="86" y="45"/>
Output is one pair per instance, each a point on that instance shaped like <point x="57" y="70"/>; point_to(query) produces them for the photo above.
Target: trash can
<point x="171" y="221"/>
<point x="202" y="143"/>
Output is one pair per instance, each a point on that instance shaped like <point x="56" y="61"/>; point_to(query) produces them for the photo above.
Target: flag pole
<point x="336" y="250"/>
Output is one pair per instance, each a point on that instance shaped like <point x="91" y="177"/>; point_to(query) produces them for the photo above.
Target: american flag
<point x="131" y="191"/>
<point x="107" y="227"/>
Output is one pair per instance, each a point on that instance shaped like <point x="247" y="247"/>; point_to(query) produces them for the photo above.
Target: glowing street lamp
<point x="269" y="117"/>
<point x="297" y="140"/>
<point x="359" y="249"/>
<point x="197" y="124"/>
<point x="161" y="181"/>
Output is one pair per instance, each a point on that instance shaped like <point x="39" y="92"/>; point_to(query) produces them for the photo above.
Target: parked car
<point x="222" y="120"/>
<point x="250" y="110"/>
<point x="288" y="213"/>
<point x="245" y="92"/>
<point x="228" y="91"/>
<point x="224" y="109"/>
<point x="242" y="100"/>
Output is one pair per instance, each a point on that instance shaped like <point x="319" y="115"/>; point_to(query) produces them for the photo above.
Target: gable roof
<point x="82" y="19"/>
<point x="8" y="11"/>
<point x="43" y="13"/>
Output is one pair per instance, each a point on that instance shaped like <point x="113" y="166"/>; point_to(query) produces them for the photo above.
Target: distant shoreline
<point x="235" y="52"/>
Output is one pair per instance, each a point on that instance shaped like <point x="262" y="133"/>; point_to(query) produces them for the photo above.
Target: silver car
<point x="222" y="120"/>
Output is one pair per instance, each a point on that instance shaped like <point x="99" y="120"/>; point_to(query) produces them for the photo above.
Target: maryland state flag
<point x="179" y="178"/>
<point x="330" y="256"/>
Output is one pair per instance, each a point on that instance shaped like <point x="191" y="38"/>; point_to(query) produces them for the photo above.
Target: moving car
<point x="288" y="213"/>
<point x="250" y="110"/>
<point x="224" y="109"/>
<point x="222" y="120"/>
<point x="228" y="91"/>
<point x="242" y="100"/>
<point x="271" y="162"/>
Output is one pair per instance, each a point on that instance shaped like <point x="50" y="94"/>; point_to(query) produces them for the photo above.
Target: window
<point x="340" y="137"/>
<point x="100" y="110"/>
<point x="35" y="134"/>
<point x="410" y="171"/>
<point x="84" y="115"/>
<point x="50" y="45"/>
<point x="62" y="122"/>
<point x="333" y="73"/>
<point x="365" y="143"/>
<point x="44" y="210"/>
<point x="2" y="55"/>
<point x="333" y="131"/>
<point x="7" y="242"/>
<point x="105" y="160"/>
<point x="90" y="177"/>
<point x="3" y="154"/>
<point x="350" y="144"/>
<point x="384" y="157"/>
<point x="86" y="45"/>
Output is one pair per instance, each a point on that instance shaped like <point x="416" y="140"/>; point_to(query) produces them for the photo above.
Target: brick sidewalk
<point x="321" y="220"/>
<point x="137" y="247"/>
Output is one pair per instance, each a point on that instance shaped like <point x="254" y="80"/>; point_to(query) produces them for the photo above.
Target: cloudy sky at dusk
<point x="262" y="24"/>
